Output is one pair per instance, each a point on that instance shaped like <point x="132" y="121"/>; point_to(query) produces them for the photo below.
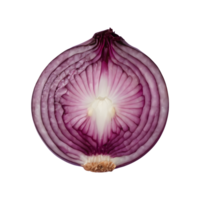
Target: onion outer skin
<point x="80" y="159"/>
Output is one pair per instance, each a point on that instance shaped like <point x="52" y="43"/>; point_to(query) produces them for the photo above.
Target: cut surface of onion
<point x="102" y="104"/>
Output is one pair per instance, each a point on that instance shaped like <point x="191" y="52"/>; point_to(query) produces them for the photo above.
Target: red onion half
<point x="102" y="104"/>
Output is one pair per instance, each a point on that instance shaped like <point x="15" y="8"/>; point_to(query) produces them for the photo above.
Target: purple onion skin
<point x="102" y="97"/>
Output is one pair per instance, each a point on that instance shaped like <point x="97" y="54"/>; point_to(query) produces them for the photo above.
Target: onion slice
<point x="102" y="104"/>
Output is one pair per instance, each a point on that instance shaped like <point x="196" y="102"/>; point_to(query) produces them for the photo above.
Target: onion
<point x="102" y="104"/>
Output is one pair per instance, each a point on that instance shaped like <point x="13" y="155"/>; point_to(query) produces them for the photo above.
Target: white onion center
<point x="102" y="110"/>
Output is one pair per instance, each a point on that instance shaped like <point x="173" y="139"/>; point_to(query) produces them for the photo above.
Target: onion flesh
<point x="102" y="104"/>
